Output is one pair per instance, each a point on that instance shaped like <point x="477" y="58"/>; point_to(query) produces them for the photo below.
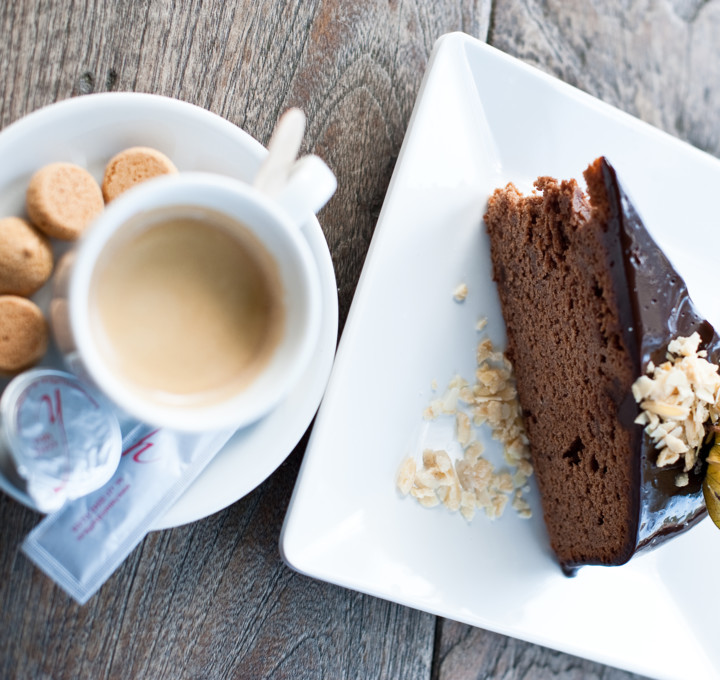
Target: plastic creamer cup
<point x="61" y="437"/>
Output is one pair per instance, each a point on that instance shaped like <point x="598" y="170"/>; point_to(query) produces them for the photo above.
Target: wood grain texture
<point x="658" y="60"/>
<point x="208" y="600"/>
<point x="467" y="653"/>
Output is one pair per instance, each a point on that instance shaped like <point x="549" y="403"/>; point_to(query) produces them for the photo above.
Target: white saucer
<point x="88" y="131"/>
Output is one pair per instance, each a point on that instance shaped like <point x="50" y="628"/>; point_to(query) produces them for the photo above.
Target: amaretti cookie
<point x="26" y="258"/>
<point x="23" y="333"/>
<point x="62" y="199"/>
<point x="132" y="166"/>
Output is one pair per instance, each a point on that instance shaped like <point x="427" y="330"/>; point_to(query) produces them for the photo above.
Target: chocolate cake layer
<point x="588" y="299"/>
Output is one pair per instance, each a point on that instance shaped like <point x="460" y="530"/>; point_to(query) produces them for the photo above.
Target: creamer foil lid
<point x="62" y="436"/>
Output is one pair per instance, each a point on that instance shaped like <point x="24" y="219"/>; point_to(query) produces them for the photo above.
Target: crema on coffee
<point x="187" y="306"/>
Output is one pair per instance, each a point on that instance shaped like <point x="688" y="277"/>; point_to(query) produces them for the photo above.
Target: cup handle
<point x="309" y="187"/>
<point x="299" y="187"/>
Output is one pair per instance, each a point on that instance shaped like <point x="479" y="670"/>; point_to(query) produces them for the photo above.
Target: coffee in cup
<point x="188" y="305"/>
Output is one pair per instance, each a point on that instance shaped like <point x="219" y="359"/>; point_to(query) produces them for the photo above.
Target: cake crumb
<point x="482" y="322"/>
<point x="461" y="292"/>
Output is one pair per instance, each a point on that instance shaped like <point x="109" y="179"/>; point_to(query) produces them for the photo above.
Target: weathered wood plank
<point x="467" y="653"/>
<point x="658" y="60"/>
<point x="208" y="600"/>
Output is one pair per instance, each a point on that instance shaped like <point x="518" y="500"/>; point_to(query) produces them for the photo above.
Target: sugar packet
<point x="82" y="544"/>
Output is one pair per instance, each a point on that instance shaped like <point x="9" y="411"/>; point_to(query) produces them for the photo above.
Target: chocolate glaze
<point x="661" y="311"/>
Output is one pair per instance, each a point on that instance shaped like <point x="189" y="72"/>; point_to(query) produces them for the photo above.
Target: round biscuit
<point x="26" y="258"/>
<point x="62" y="199"/>
<point x="23" y="333"/>
<point x="133" y="166"/>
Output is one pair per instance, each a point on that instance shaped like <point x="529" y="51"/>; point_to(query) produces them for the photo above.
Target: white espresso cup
<point x="193" y="302"/>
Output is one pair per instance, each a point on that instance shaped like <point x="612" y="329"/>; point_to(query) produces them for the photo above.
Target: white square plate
<point x="483" y="119"/>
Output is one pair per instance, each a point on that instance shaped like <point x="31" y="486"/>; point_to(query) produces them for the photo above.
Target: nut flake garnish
<point x="677" y="398"/>
<point x="471" y="483"/>
<point x="682" y="479"/>
<point x="461" y="292"/>
<point x="406" y="476"/>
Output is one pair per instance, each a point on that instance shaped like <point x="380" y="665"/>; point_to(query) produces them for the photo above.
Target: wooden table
<point x="214" y="600"/>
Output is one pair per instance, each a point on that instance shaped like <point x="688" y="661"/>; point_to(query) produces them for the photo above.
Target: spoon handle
<point x="283" y="149"/>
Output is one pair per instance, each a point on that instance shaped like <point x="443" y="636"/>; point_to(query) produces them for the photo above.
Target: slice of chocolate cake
<point x="589" y="300"/>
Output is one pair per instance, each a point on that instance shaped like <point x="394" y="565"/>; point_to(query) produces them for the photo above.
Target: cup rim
<point x="240" y="409"/>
